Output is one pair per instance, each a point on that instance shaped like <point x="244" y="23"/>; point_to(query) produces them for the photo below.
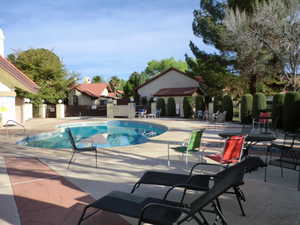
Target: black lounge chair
<point x="165" y="212"/>
<point x="79" y="150"/>
<point x="200" y="182"/>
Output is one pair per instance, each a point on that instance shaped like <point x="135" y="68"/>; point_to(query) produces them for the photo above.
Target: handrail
<point x="8" y="122"/>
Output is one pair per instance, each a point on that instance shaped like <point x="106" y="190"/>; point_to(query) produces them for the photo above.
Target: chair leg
<point x="82" y="215"/>
<point x="219" y="215"/>
<point x="71" y="159"/>
<point x="136" y="186"/>
<point x="168" y="155"/>
<point x="96" y="158"/>
<point x="239" y="196"/>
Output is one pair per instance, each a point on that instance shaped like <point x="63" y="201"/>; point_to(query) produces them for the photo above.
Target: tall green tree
<point x="156" y="66"/>
<point x="208" y="24"/>
<point x="134" y="81"/>
<point x="115" y="83"/>
<point x="97" y="79"/>
<point x="211" y="67"/>
<point x="46" y="69"/>
<point x="275" y="27"/>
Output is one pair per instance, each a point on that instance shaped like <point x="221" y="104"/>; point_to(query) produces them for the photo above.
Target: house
<point x="172" y="83"/>
<point x="11" y="78"/>
<point x="90" y="94"/>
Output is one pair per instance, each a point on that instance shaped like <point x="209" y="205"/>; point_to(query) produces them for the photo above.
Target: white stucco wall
<point x="172" y="79"/>
<point x="7" y="108"/>
<point x="105" y="92"/>
<point x="84" y="99"/>
<point x="7" y="104"/>
<point x="4" y="87"/>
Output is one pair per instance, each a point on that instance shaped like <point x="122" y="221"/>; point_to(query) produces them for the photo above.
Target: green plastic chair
<point x="192" y="145"/>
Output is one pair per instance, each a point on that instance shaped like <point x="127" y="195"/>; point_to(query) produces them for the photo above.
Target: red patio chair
<point x="232" y="152"/>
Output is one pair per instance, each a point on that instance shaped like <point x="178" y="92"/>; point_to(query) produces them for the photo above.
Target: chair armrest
<point x="204" y="164"/>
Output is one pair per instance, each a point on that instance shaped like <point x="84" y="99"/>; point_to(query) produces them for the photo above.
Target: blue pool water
<point x="110" y="134"/>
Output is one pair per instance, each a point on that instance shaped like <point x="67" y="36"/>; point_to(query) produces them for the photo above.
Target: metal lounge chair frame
<point x="192" y="145"/>
<point x="79" y="150"/>
<point x="165" y="212"/>
<point x="289" y="158"/>
<point x="232" y="152"/>
<point x="199" y="182"/>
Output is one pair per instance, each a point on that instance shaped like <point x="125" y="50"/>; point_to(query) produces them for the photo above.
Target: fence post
<point x="110" y="110"/>
<point x="131" y="110"/>
<point x="60" y="110"/>
<point x="27" y="110"/>
<point x="210" y="110"/>
<point x="153" y="108"/>
<point x="42" y="110"/>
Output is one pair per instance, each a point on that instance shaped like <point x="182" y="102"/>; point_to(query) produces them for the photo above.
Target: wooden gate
<point x="51" y="111"/>
<point x="85" y="110"/>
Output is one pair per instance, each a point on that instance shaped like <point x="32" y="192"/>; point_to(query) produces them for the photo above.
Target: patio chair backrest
<point x="71" y="138"/>
<point x="249" y="164"/>
<point x="195" y="140"/>
<point x="230" y="178"/>
<point x="233" y="148"/>
<point x="263" y="114"/>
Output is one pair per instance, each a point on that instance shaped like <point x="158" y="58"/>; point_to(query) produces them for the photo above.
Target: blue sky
<point x="102" y="37"/>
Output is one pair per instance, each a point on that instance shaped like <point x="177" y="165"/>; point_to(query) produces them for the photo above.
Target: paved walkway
<point x="26" y="182"/>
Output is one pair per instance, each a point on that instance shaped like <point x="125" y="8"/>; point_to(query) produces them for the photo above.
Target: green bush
<point x="199" y="103"/>
<point x="218" y="103"/>
<point x="171" y="107"/>
<point x="277" y="111"/>
<point x="161" y="106"/>
<point x="187" y="107"/>
<point x="246" y="108"/>
<point x="228" y="107"/>
<point x="259" y="104"/>
<point x="291" y="111"/>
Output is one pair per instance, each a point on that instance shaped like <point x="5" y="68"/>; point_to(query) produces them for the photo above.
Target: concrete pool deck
<point x="275" y="202"/>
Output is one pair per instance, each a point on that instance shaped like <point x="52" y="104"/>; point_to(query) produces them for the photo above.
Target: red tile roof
<point x="111" y="94"/>
<point x="166" y="71"/>
<point x="188" y="91"/>
<point x="94" y="90"/>
<point x="18" y="75"/>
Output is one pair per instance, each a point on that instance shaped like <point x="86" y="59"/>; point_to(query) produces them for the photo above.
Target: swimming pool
<point x="109" y="134"/>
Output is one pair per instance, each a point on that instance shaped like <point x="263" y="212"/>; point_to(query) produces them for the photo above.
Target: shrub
<point x="199" y="103"/>
<point x="228" y="107"/>
<point x="259" y="104"/>
<point x="277" y="111"/>
<point x="161" y="106"/>
<point x="187" y="107"/>
<point x="218" y="103"/>
<point x="171" y="107"/>
<point x="246" y="108"/>
<point x="290" y="111"/>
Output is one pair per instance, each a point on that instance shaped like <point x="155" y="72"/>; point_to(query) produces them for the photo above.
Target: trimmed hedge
<point x="291" y="111"/>
<point x="187" y="107"/>
<point x="161" y="106"/>
<point x="171" y="107"/>
<point x="246" y="108"/>
<point x="228" y="107"/>
<point x="277" y="111"/>
<point x="199" y="103"/>
<point x="218" y="103"/>
<point x="259" y="104"/>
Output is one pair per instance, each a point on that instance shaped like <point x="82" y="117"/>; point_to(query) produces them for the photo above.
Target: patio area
<point x="37" y="188"/>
